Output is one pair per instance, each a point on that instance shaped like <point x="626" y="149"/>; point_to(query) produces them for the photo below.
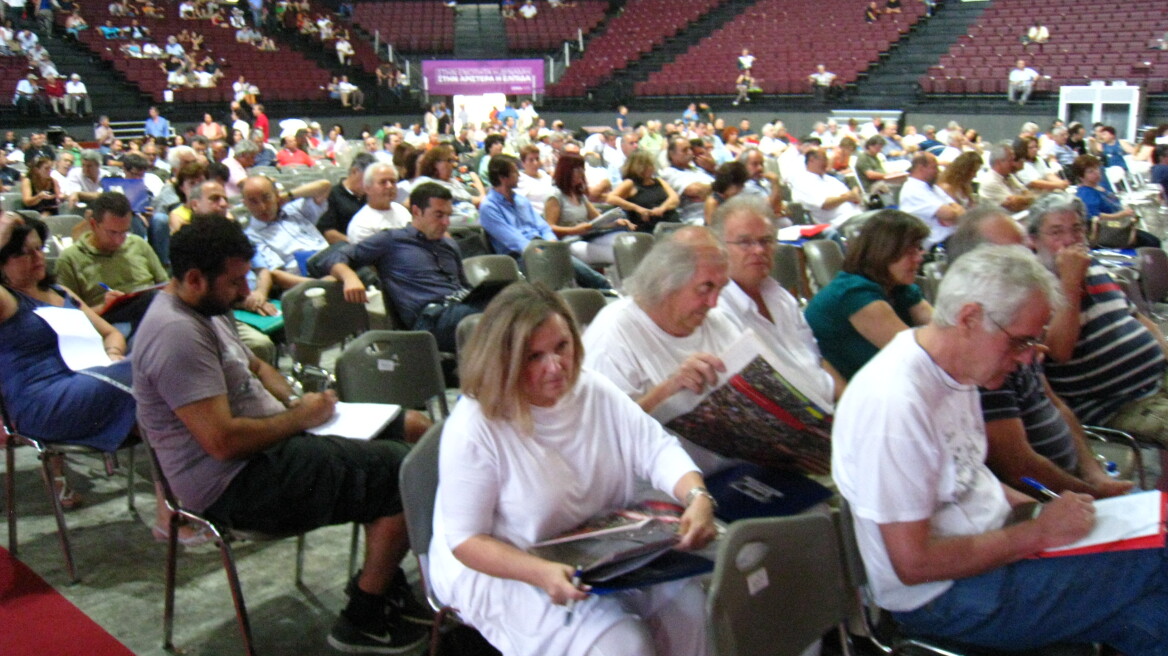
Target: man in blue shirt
<point x="420" y="268"/>
<point x="156" y="126"/>
<point x="511" y="223"/>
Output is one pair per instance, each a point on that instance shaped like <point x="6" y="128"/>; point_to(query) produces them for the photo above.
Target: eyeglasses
<point x="1078" y="230"/>
<point x="30" y="252"/>
<point x="766" y="243"/>
<point x="1020" y="343"/>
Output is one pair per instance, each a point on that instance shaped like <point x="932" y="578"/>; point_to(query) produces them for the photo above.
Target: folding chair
<point x="549" y="262"/>
<point x="490" y="268"/>
<point x="223" y="539"/>
<point x="790" y="271"/>
<point x="585" y="304"/>
<point x="393" y="366"/>
<point x="419" y="487"/>
<point x="825" y="259"/>
<point x="762" y="571"/>
<point x="628" y="249"/>
<point x="314" y="321"/>
<point x="46" y="451"/>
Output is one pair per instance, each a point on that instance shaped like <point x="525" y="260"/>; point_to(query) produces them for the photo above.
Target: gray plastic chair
<point x="585" y="304"/>
<point x="663" y="228"/>
<point x="392" y="366"/>
<point x="312" y="326"/>
<point x="628" y="249"/>
<point x="472" y="240"/>
<point x="778" y="567"/>
<point x="799" y="214"/>
<point x="549" y="262"/>
<point x="62" y="225"/>
<point x="465" y="329"/>
<point x="825" y="259"/>
<point x="12" y="201"/>
<point x="788" y="269"/>
<point x="492" y="268"/>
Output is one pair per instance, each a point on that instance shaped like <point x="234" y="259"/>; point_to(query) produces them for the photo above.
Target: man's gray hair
<point x="1061" y="129"/>
<point x="1053" y="204"/>
<point x="666" y="269"/>
<point x="1002" y="150"/>
<point x="740" y="204"/>
<point x="197" y="191"/>
<point x="245" y="147"/>
<point x="1001" y="279"/>
<point x="1030" y="126"/>
<point x="91" y="155"/>
<point x="748" y="151"/>
<point x="968" y="235"/>
<point x="929" y="128"/>
<point x="177" y="154"/>
<point x="372" y="170"/>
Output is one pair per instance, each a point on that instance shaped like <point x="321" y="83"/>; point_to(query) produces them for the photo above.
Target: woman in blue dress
<point x="47" y="400"/>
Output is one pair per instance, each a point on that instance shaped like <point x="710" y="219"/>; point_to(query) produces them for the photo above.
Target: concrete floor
<point x="122" y="568"/>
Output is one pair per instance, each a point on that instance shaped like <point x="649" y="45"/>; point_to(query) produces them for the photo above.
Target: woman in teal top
<point x="874" y="297"/>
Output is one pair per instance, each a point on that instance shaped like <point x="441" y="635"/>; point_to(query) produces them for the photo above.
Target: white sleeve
<point x="469" y="473"/>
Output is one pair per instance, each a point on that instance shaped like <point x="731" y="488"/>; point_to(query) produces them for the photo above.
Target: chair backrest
<point x="472" y="240"/>
<point x="62" y="225"/>
<point x="584" y="304"/>
<point x="1153" y="273"/>
<point x="323" y="321"/>
<point x="825" y="259"/>
<point x="665" y="227"/>
<point x="799" y="214"/>
<point x="788" y="269"/>
<point x="929" y="279"/>
<point x="490" y="268"/>
<point x="628" y="249"/>
<point x="12" y="201"/>
<point x="777" y="567"/>
<point x="392" y="366"/>
<point x="419" y="485"/>
<point x="1117" y="176"/>
<point x="465" y="329"/>
<point x="549" y="262"/>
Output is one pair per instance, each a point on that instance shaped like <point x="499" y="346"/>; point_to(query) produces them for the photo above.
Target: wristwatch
<point x="700" y="491"/>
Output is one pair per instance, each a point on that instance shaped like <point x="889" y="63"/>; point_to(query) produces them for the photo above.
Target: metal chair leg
<point x="299" y="559"/>
<point x="62" y="529"/>
<point x="10" y="491"/>
<point x="237" y="596"/>
<point x="130" y="480"/>
<point x="353" y="549"/>
<point x="168" y="602"/>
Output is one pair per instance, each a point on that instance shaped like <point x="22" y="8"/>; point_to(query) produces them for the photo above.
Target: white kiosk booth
<point x="1117" y="105"/>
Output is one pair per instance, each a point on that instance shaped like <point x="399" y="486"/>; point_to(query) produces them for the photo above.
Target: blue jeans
<point x="588" y="277"/>
<point x="160" y="236"/>
<point x="1119" y="599"/>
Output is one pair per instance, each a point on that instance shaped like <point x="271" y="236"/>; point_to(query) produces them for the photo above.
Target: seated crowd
<point x="943" y="405"/>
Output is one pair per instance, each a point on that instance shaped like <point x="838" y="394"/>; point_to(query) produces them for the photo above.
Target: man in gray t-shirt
<point x="230" y="438"/>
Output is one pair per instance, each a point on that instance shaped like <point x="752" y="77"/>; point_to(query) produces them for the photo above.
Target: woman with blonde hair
<point x="643" y="195"/>
<point x="535" y="447"/>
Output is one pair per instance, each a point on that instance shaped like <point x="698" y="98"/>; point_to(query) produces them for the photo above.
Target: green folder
<point x="266" y="325"/>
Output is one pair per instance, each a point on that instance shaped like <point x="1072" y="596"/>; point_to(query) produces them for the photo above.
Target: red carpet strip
<point x="36" y="620"/>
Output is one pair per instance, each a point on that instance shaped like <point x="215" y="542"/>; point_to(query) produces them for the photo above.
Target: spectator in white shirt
<point x="1021" y="82"/>
<point x="921" y="197"/>
<point x="380" y="211"/>
<point x="826" y="198"/>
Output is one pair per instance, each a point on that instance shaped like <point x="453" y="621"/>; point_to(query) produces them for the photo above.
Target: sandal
<point x="202" y="536"/>
<point x="66" y="495"/>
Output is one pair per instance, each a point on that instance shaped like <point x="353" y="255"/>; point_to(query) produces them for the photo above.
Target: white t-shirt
<point x="537" y="190"/>
<point x="909" y="444"/>
<point x="1023" y="75"/>
<point x="813" y="190"/>
<point x="788" y="335"/>
<point x="368" y="221"/>
<point x="690" y="210"/>
<point x="585" y="456"/>
<point x="922" y="200"/>
<point x="624" y="344"/>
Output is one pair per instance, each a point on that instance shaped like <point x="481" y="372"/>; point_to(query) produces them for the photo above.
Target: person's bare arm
<point x="226" y="437"/>
<point x="948" y="214"/>
<point x="1011" y="457"/>
<point x="837" y="380"/>
<point x="1062" y="335"/>
<point x="920" y="556"/>
<point x="921" y="313"/>
<point x="1018" y="202"/>
<point x="494" y="557"/>
<point x="333" y="236"/>
<point x="1090" y="471"/>
<point x="696" y="373"/>
<point x="854" y="195"/>
<point x="877" y="322"/>
<point x="354" y="289"/>
<point x="317" y="190"/>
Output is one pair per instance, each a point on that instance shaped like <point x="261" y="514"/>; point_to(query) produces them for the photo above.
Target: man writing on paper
<point x="908" y="455"/>
<point x="108" y="262"/>
<point x="230" y="437"/>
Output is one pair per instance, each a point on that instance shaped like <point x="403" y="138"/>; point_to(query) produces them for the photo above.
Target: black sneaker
<point x="397" y="638"/>
<point x="401" y="599"/>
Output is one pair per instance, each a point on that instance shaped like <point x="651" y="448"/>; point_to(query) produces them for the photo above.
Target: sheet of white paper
<point x="80" y="343"/>
<point x="1122" y="518"/>
<point x="358" y="421"/>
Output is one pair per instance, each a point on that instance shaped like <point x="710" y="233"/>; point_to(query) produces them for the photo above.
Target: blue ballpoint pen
<point x="572" y="602"/>
<point x="1044" y="490"/>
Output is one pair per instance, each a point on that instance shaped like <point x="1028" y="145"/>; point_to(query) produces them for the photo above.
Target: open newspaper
<point x="762" y="410"/>
<point x="615" y="542"/>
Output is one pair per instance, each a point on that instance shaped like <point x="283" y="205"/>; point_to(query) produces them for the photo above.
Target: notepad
<point x="358" y="421"/>
<point x="1132" y="521"/>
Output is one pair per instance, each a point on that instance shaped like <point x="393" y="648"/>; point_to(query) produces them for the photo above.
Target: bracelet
<point x="700" y="491"/>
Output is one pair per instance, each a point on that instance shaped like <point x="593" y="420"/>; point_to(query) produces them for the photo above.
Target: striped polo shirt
<point x="1116" y="360"/>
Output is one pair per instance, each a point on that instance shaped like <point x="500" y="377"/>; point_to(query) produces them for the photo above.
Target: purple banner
<point x="447" y="77"/>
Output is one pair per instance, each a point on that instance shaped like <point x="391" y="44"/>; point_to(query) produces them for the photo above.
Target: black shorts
<point x="309" y="481"/>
